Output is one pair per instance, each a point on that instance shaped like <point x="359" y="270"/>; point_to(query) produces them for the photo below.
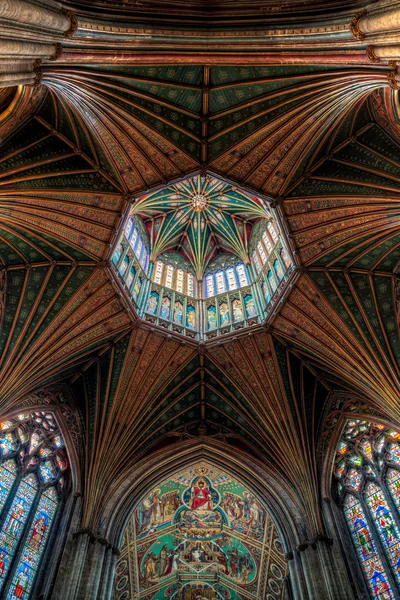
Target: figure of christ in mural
<point x="201" y="497"/>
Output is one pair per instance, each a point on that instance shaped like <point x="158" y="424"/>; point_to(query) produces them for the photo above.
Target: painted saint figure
<point x="201" y="497"/>
<point x="38" y="532"/>
<point x="21" y="583"/>
<point x="13" y="523"/>
<point x="165" y="307"/>
<point x="237" y="310"/>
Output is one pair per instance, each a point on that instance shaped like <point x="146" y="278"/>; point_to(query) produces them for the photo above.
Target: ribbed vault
<point x="313" y="138"/>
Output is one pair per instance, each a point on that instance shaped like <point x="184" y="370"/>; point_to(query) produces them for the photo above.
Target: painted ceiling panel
<point x="309" y="137"/>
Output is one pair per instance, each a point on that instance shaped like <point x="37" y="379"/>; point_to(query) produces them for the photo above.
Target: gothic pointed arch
<point x="40" y="477"/>
<point x="205" y="521"/>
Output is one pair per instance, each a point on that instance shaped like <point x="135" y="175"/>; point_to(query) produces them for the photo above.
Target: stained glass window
<point x="117" y="253"/>
<point x="262" y="253"/>
<point x="179" y="281"/>
<point x="241" y="271"/>
<point x="366" y="548"/>
<point x="256" y="261"/>
<point x="220" y="279"/>
<point x="124" y="265"/>
<point x="169" y="275"/>
<point x="134" y="238"/>
<point x="190" y="284"/>
<point x="278" y="269"/>
<point x="128" y="228"/>
<point x="210" y="286"/>
<point x="32" y="467"/>
<point x="272" y="232"/>
<point x="131" y="276"/>
<point x="368" y="483"/>
<point x="267" y="241"/>
<point x="158" y="272"/>
<point x="230" y="274"/>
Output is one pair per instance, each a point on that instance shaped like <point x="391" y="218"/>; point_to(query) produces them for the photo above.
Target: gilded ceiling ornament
<point x="199" y="202"/>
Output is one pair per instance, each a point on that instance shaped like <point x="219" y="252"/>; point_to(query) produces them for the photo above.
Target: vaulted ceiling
<point x="322" y="141"/>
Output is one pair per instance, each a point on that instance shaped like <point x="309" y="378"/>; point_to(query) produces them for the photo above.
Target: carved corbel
<point x="355" y="25"/>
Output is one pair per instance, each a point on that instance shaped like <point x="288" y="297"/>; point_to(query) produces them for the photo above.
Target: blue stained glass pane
<point x="128" y="228"/>
<point x="393" y="481"/>
<point x="366" y="550"/>
<point x="385" y="524"/>
<point x="24" y="576"/>
<point x="14" y="523"/>
<point x="8" y="471"/>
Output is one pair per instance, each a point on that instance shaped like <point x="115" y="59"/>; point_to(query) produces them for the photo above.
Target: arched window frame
<point x="212" y="277"/>
<point x="54" y="538"/>
<point x="374" y="468"/>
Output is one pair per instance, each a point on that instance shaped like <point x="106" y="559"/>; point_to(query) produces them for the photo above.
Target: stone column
<point x="30" y="33"/>
<point x="376" y="19"/>
<point x="28" y="13"/>
<point x="312" y="573"/>
<point x="379" y="26"/>
<point x="296" y="576"/>
<point x="107" y="586"/>
<point x="325" y="579"/>
<point x="91" y="579"/>
<point x="69" y="586"/>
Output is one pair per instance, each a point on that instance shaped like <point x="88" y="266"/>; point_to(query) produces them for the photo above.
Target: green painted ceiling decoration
<point x="201" y="216"/>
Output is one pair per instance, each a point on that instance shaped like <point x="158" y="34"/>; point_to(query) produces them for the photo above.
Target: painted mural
<point x="200" y="534"/>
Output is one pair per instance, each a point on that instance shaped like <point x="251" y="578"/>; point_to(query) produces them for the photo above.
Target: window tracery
<point x="367" y="472"/>
<point x="33" y="468"/>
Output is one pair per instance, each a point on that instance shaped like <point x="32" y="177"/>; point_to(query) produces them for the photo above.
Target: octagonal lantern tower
<point x="203" y="258"/>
